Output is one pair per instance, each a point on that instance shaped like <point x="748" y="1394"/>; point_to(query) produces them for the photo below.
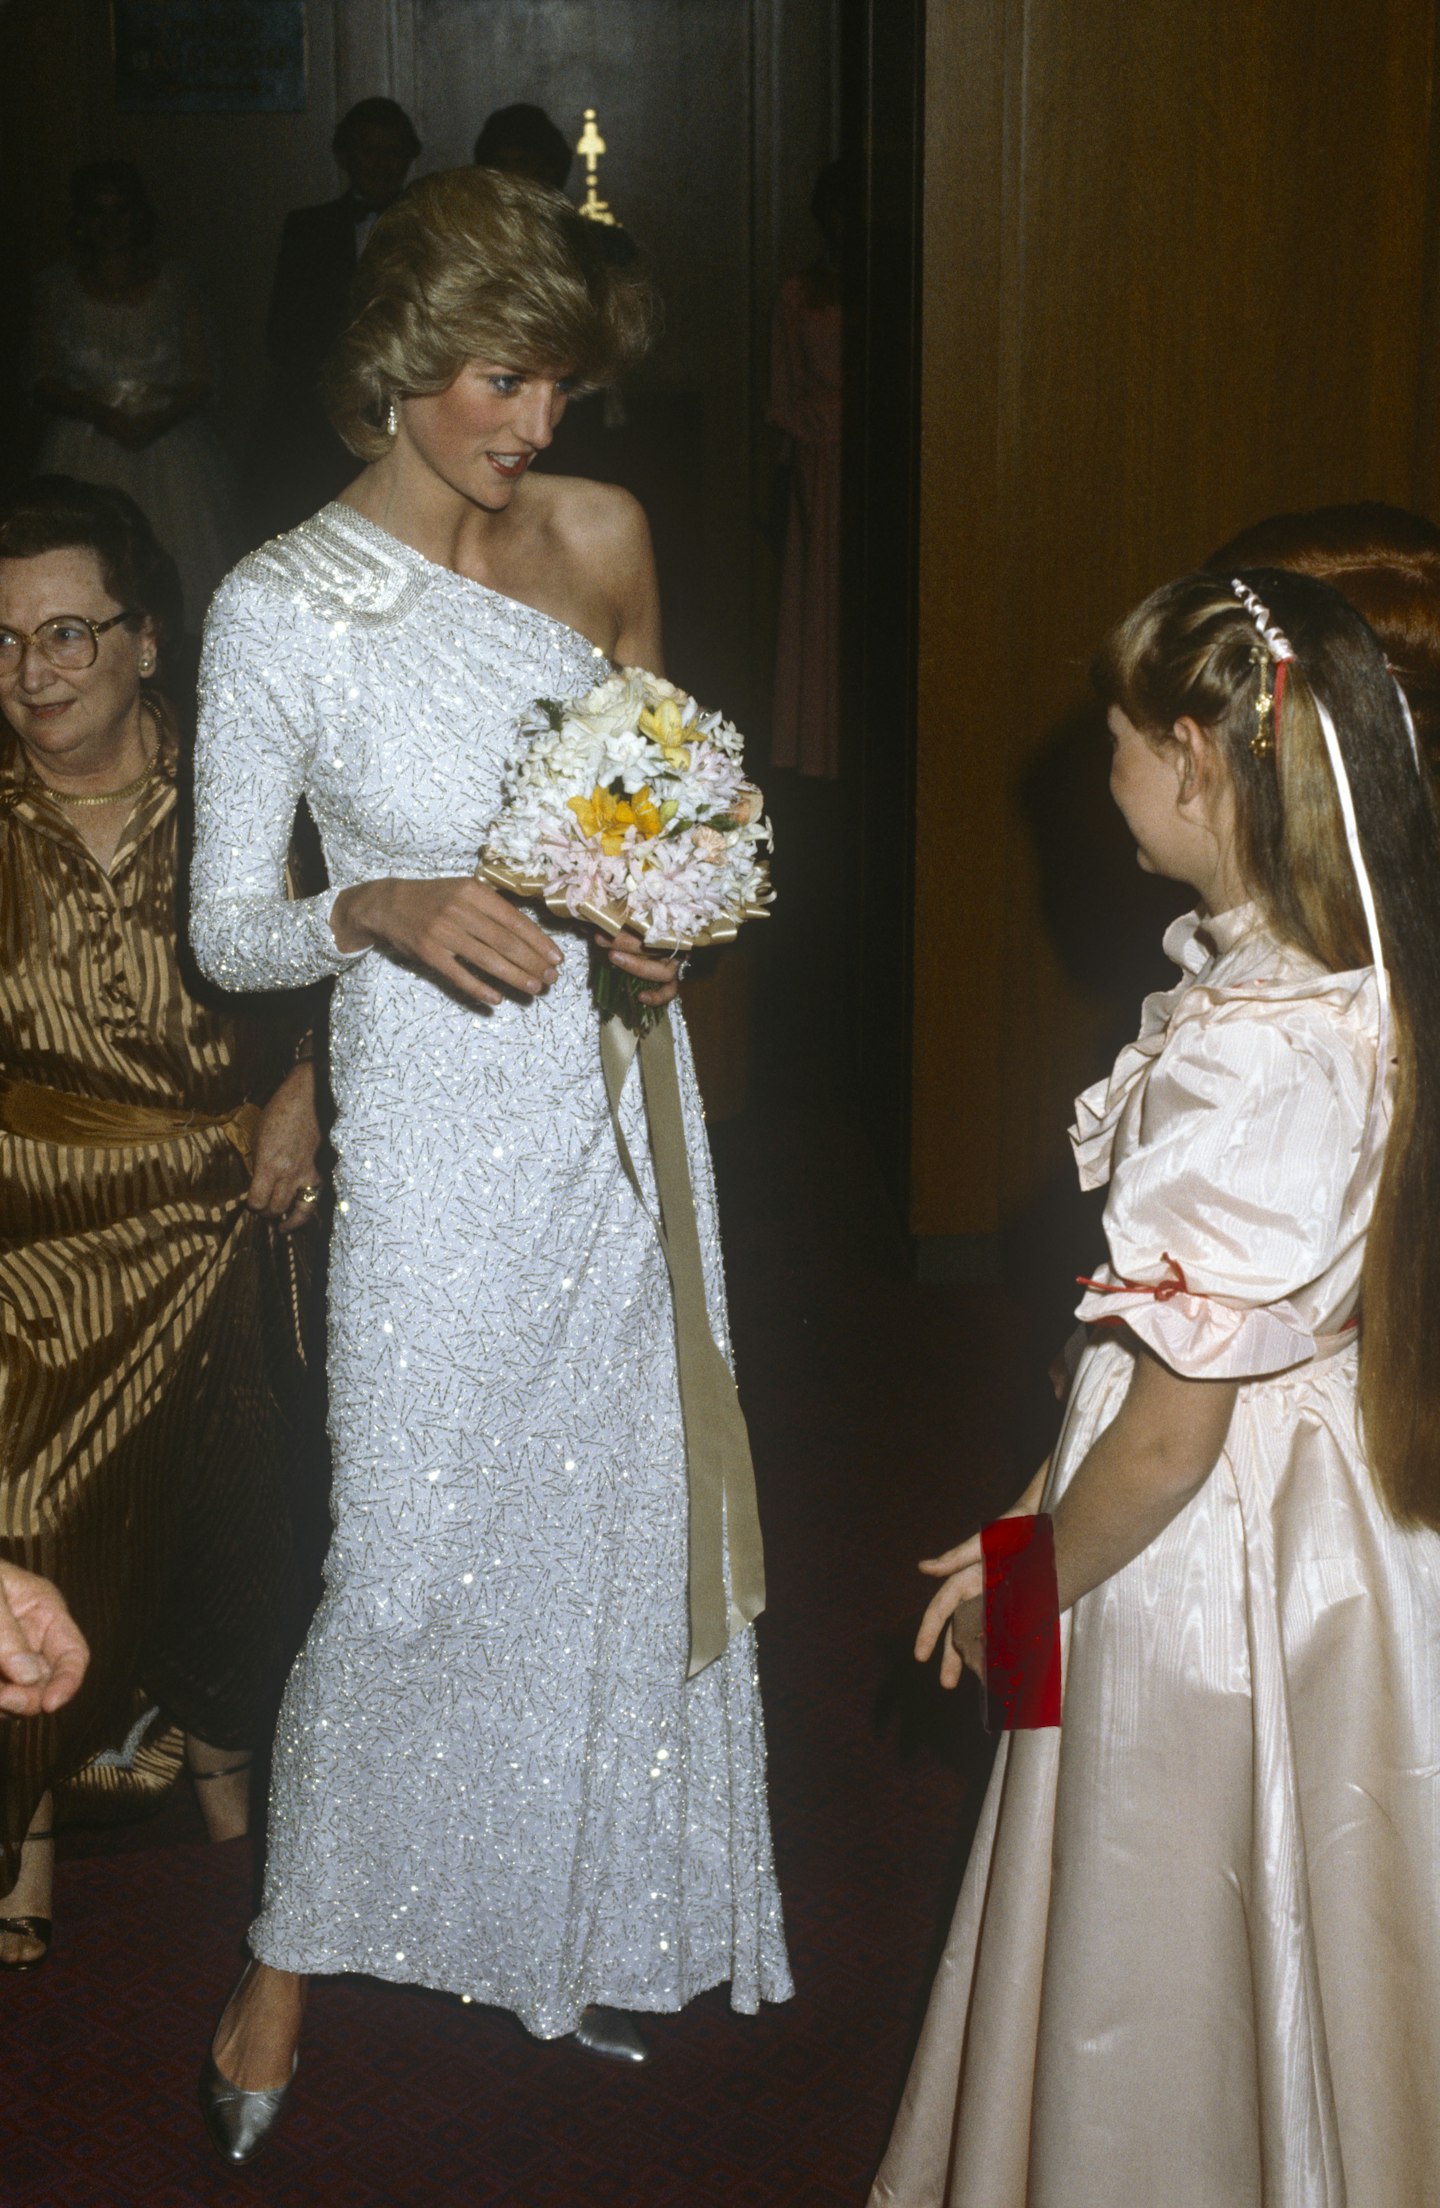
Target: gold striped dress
<point x="142" y="1440"/>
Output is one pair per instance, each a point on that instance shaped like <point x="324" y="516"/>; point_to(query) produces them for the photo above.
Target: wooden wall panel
<point x="1177" y="276"/>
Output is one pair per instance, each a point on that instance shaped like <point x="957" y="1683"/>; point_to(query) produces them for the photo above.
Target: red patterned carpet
<point x="880" y="1414"/>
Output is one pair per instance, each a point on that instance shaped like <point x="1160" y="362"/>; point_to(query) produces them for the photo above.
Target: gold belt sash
<point x="717" y="1447"/>
<point x="99" y="1123"/>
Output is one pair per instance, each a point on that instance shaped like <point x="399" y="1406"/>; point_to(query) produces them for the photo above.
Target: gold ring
<point x="310" y="1194"/>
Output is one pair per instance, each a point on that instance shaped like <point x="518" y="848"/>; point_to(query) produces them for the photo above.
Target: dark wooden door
<point x="884" y="56"/>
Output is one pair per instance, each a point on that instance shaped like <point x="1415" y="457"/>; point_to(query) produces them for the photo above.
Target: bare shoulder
<point x="596" y="517"/>
<point x="598" y="541"/>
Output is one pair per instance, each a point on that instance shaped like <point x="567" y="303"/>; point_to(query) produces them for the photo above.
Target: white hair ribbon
<point x="1280" y="648"/>
<point x="1409" y="719"/>
<point x="1277" y="643"/>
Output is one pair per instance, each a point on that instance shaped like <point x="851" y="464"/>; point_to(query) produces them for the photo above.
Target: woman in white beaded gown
<point x="491" y="1775"/>
<point x="1196" y="1957"/>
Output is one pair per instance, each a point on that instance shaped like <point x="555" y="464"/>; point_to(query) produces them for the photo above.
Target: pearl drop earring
<point x="392" y="419"/>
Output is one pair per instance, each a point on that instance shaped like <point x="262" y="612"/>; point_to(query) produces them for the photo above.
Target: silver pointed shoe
<point x="612" y="2033"/>
<point x="239" y="2123"/>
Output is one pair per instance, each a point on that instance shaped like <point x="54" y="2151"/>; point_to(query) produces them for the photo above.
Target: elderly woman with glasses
<point x="148" y="1132"/>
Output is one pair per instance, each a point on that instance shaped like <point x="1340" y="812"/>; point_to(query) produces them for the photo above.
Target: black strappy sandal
<point x="241" y="1769"/>
<point x="231" y="1770"/>
<point x="29" y="1927"/>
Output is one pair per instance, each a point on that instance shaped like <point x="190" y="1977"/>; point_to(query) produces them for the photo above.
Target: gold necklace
<point x="106" y="797"/>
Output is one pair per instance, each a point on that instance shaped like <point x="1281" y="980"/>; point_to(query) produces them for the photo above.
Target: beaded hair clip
<point x="1262" y="743"/>
<point x="1279" y="651"/>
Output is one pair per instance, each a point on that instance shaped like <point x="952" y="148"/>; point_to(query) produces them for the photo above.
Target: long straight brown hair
<point x="1192" y="651"/>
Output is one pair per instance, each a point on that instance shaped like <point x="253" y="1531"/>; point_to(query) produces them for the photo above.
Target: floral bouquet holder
<point x="629" y="808"/>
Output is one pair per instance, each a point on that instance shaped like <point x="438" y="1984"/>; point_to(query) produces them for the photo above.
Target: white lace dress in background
<point x="135" y="354"/>
<point x="491" y="1775"/>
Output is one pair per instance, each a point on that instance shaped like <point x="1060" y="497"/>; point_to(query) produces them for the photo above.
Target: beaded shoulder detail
<point x="341" y="573"/>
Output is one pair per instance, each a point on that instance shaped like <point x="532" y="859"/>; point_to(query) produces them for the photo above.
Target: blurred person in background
<point x="121" y="363"/>
<point x="522" y="141"/>
<point x="805" y="406"/>
<point x="301" y="463"/>
<point x="151" y="1137"/>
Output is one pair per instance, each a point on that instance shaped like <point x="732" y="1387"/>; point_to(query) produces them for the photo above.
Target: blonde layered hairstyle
<point x="474" y="264"/>
<point x="1191" y="651"/>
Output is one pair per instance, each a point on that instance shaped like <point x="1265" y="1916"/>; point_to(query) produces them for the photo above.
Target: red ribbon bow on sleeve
<point x="1164" y="1291"/>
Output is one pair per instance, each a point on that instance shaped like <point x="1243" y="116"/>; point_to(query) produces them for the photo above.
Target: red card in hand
<point x="1022" y="1625"/>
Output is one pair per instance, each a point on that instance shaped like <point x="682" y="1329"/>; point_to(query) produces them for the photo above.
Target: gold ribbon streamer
<point x="717" y="1446"/>
<point x="100" y="1123"/>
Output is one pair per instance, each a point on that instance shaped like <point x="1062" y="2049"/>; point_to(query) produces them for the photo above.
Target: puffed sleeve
<point x="253" y="746"/>
<point x="1234" y="1196"/>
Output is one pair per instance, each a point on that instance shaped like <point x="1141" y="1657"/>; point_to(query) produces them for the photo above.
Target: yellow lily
<point x="663" y="724"/>
<point x="605" y="817"/>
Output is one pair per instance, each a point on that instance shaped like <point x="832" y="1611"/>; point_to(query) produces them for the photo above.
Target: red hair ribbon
<point x="1022" y="1624"/>
<point x="1282" y="670"/>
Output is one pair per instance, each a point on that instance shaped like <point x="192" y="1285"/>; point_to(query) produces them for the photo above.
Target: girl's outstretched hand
<point x="960" y="1603"/>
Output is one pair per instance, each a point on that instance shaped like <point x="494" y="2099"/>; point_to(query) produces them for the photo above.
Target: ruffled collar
<point x="1224" y="958"/>
<point x="1196" y="938"/>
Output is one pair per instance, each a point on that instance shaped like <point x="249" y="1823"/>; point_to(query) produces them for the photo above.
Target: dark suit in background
<point x="300" y="462"/>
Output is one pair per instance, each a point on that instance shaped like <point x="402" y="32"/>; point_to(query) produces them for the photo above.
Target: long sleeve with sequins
<point x="259" y="720"/>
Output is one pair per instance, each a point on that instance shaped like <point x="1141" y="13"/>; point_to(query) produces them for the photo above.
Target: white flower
<point x="673" y="887"/>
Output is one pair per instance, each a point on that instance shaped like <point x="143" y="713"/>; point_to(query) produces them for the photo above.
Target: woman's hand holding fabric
<point x="960" y="1603"/>
<point x="628" y="953"/>
<point x="43" y="1654"/>
<point x="461" y="930"/>
<point x="287" y="1144"/>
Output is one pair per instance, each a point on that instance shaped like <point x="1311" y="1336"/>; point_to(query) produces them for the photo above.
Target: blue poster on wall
<point x="209" y="57"/>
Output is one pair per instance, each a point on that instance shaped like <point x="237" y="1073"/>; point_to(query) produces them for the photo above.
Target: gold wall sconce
<point x="590" y="146"/>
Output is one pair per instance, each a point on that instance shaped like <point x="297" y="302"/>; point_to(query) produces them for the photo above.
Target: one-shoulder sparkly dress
<point x="491" y="1775"/>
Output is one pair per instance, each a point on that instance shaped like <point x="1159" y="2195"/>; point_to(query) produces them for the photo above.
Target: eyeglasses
<point x="68" y="641"/>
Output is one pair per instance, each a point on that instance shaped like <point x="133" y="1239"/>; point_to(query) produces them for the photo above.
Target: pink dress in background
<point x="805" y="404"/>
<point x="1196" y="1957"/>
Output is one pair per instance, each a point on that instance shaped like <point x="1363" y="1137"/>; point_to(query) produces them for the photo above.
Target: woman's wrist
<point x="352" y="921"/>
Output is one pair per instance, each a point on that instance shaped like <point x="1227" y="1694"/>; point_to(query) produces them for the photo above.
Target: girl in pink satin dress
<point x="1196" y="1957"/>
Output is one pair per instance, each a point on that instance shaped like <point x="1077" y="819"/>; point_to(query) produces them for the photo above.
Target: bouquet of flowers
<point x="630" y="809"/>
